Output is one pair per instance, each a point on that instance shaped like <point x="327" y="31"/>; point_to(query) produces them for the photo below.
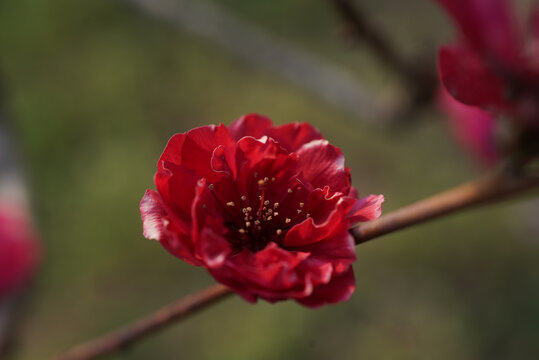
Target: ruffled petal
<point x="194" y="150"/>
<point x="271" y="273"/>
<point x="176" y="185"/>
<point x="366" y="209"/>
<point x="323" y="165"/>
<point x="254" y="125"/>
<point x="153" y="216"/>
<point x="328" y="217"/>
<point x="338" y="250"/>
<point x="340" y="288"/>
<point x="260" y="158"/>
<point x="208" y="229"/>
<point x="293" y="136"/>
<point x="159" y="224"/>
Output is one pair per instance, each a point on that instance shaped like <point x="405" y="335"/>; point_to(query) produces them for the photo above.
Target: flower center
<point x="263" y="215"/>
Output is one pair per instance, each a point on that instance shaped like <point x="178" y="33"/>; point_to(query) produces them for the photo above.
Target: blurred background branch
<point x="121" y="339"/>
<point x="419" y="76"/>
<point x="261" y="49"/>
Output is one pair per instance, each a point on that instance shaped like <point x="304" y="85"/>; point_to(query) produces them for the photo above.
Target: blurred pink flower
<point x="494" y="65"/>
<point x="19" y="249"/>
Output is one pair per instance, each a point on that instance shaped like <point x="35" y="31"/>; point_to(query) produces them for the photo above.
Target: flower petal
<point x="176" y="185"/>
<point x="264" y="158"/>
<point x="293" y="136"/>
<point x="271" y="273"/>
<point x="329" y="216"/>
<point x="323" y="165"/>
<point x="338" y="250"/>
<point x="254" y="125"/>
<point x="208" y="229"/>
<point x="194" y="149"/>
<point x="340" y="288"/>
<point x="159" y="224"/>
<point x="366" y="209"/>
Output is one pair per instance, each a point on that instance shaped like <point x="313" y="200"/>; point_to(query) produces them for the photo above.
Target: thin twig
<point x="122" y="338"/>
<point x="365" y="32"/>
<point x="493" y="188"/>
<point x="419" y="75"/>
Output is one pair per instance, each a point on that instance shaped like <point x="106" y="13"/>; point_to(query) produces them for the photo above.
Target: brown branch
<point x="485" y="190"/>
<point x="122" y="338"/>
<point x="489" y="189"/>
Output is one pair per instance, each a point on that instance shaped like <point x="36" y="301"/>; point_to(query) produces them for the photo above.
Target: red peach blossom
<point x="18" y="249"/>
<point x="266" y="209"/>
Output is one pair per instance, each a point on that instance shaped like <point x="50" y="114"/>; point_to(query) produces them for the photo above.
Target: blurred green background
<point x="95" y="89"/>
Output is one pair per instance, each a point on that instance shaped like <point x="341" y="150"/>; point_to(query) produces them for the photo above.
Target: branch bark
<point x="492" y="188"/>
<point x="495" y="187"/>
<point x="122" y="338"/>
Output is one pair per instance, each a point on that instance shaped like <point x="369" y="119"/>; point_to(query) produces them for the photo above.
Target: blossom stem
<point x="150" y="324"/>
<point x="491" y="188"/>
<point x="485" y="190"/>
